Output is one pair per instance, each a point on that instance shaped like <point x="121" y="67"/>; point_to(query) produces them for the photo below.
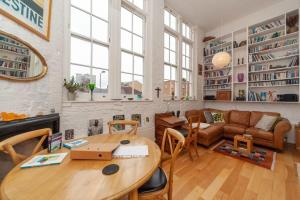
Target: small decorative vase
<point x="92" y="86"/>
<point x="240" y="77"/>
<point x="71" y="96"/>
<point x="92" y="95"/>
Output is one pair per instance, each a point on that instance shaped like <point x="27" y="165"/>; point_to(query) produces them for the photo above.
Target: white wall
<point x="290" y="111"/>
<point x="48" y="92"/>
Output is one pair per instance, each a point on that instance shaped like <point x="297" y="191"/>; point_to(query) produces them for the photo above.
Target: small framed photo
<point x="69" y="134"/>
<point x="95" y="127"/>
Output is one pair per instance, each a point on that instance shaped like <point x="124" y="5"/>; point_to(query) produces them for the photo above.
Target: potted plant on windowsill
<point x="72" y="87"/>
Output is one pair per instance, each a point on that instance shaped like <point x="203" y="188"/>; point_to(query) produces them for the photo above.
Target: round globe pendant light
<point x="221" y="59"/>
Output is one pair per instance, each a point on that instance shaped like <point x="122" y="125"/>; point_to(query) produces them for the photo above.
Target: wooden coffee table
<point x="248" y="141"/>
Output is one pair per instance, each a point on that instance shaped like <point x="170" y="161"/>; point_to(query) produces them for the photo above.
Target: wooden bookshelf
<point x="266" y="62"/>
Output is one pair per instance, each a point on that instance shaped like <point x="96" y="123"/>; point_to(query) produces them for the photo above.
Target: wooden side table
<point x="297" y="136"/>
<point x="248" y="141"/>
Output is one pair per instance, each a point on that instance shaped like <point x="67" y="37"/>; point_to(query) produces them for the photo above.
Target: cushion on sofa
<point x="266" y="122"/>
<point x="256" y="116"/>
<point x="239" y="117"/>
<point x="259" y="133"/>
<point x="208" y="117"/>
<point x="234" y="129"/>
<point x="226" y="113"/>
<point x="218" y="117"/>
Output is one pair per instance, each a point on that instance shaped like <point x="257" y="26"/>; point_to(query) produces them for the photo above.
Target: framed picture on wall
<point x="34" y="15"/>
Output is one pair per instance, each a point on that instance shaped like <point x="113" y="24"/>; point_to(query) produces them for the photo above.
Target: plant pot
<point x="71" y="96"/>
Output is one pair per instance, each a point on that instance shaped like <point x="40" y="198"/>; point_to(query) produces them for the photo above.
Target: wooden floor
<point x="216" y="176"/>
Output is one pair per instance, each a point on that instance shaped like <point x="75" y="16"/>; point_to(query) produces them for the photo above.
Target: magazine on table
<point x="45" y="160"/>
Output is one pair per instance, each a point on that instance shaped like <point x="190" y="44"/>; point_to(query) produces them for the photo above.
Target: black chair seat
<point x="157" y="182"/>
<point x="184" y="132"/>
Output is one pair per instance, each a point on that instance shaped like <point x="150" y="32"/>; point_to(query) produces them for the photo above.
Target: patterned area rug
<point x="262" y="157"/>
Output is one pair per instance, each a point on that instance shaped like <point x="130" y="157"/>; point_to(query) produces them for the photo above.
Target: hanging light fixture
<point x="221" y="59"/>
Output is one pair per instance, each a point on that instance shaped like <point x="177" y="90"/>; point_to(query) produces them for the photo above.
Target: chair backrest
<point x="194" y="124"/>
<point x="173" y="138"/>
<point x="7" y="146"/>
<point x="114" y="126"/>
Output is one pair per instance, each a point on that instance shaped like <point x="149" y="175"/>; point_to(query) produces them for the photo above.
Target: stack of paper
<point x="44" y="160"/>
<point x="131" y="151"/>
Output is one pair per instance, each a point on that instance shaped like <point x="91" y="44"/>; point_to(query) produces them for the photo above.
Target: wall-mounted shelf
<point x="274" y="54"/>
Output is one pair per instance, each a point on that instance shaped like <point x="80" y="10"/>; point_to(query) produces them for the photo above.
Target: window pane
<point x="100" y="8"/>
<point x="80" y="51"/>
<point x="138" y="85"/>
<point x="80" y="22"/>
<point x="138" y="44"/>
<point x="100" y="56"/>
<point x="126" y="19"/>
<point x="184" y="75"/>
<point x="167" y="18"/>
<point x="173" y="22"/>
<point x="187" y="60"/>
<point x="138" y="65"/>
<point x="183" y="49"/>
<point x="183" y="29"/>
<point x="85" y="5"/>
<point x="183" y="62"/>
<point x="172" y="58"/>
<point x="127" y="63"/>
<point x="172" y="43"/>
<point x="126" y="40"/>
<point x="77" y="72"/>
<point x="138" y="25"/>
<point x="188" y="33"/>
<point x="173" y="73"/>
<point x="126" y="83"/>
<point x="100" y="31"/>
<point x="166" y="40"/>
<point x="169" y="88"/>
<point x="188" y="47"/>
<point x="167" y="72"/>
<point x="101" y="80"/>
<point x="167" y="56"/>
<point x="139" y="3"/>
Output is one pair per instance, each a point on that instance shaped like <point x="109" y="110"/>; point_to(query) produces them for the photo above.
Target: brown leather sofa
<point x="240" y="122"/>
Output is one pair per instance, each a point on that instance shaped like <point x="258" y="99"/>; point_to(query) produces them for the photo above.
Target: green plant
<point x="71" y="86"/>
<point x="92" y="86"/>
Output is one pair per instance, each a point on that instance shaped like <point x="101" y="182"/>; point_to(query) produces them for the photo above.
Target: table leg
<point x="133" y="195"/>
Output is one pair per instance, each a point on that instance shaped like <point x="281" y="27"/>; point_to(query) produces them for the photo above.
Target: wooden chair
<point x="190" y="132"/>
<point x="134" y="126"/>
<point x="159" y="184"/>
<point x="7" y="146"/>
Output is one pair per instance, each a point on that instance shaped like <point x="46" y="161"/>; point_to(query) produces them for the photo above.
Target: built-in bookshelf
<point x="265" y="61"/>
<point x="14" y="58"/>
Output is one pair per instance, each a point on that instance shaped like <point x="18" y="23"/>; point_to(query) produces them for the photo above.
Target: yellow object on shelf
<point x="12" y="116"/>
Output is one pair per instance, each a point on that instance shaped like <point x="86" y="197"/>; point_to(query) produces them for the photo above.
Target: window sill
<point x="107" y="101"/>
<point x="177" y="100"/>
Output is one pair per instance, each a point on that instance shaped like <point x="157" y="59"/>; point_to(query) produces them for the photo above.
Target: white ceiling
<point x="208" y="14"/>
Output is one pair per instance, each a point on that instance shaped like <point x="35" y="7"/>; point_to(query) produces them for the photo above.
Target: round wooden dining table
<point x="83" y="179"/>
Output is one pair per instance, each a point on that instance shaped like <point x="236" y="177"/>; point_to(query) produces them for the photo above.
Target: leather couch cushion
<point x="240" y="117"/>
<point x="256" y="116"/>
<point x="212" y="131"/>
<point x="157" y="182"/>
<point x="234" y="129"/>
<point x="259" y="133"/>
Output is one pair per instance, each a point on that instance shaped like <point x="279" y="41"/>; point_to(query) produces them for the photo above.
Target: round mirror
<point x="19" y="61"/>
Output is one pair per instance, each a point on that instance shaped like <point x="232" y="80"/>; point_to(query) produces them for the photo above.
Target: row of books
<point x="254" y="96"/>
<point x="218" y="87"/>
<point x="257" y="58"/>
<point x="268" y="26"/>
<point x="266" y="67"/>
<point x="292" y="73"/>
<point x="219" y="82"/>
<point x="217" y="42"/>
<point x="20" y="74"/>
<point x="215" y="74"/>
<point x="208" y="52"/>
<point x="261" y="38"/>
<point x="275" y="83"/>
<point x="274" y="45"/>
<point x="294" y="61"/>
<point x="13" y="65"/>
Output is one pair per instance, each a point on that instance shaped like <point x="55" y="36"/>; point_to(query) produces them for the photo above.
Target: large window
<point x="90" y="42"/>
<point x="186" y="80"/>
<point x="138" y="3"/>
<point x="132" y="56"/>
<point x="178" y="43"/>
<point x="170" y="67"/>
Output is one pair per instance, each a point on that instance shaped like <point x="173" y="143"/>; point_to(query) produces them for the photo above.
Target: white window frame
<point x="133" y="9"/>
<point x="179" y="35"/>
<point x="114" y="45"/>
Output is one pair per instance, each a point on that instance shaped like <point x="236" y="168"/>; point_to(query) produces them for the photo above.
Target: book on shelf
<point x="45" y="160"/>
<point x="262" y="38"/>
<point x="264" y="27"/>
<point x="275" y="75"/>
<point x="274" y="45"/>
<point x="276" y="83"/>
